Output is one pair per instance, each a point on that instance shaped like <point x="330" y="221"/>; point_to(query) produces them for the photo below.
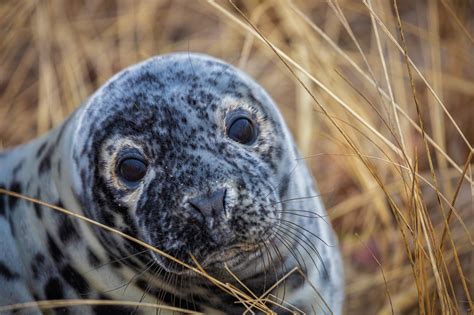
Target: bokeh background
<point x="388" y="138"/>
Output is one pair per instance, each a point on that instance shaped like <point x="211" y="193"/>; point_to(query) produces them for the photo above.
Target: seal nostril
<point x="209" y="204"/>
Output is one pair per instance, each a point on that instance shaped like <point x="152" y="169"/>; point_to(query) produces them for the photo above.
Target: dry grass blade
<point x="420" y="74"/>
<point x="422" y="215"/>
<point x="458" y="21"/>
<point x="453" y="202"/>
<point x="387" y="81"/>
<point x="383" y="275"/>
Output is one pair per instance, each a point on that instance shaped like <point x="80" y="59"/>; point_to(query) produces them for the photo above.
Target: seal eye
<point x="132" y="170"/>
<point x="242" y="130"/>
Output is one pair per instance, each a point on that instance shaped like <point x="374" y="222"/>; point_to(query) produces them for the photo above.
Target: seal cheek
<point x="131" y="199"/>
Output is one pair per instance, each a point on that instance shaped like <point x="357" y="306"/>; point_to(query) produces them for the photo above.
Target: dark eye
<point x="132" y="170"/>
<point x="242" y="130"/>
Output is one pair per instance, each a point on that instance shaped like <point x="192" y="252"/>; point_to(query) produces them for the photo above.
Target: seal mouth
<point x="230" y="255"/>
<point x="236" y="255"/>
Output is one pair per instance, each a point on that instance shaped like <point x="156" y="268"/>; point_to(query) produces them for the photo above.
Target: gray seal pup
<point x="190" y="155"/>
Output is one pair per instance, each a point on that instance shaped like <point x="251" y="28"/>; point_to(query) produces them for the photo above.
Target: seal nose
<point x="209" y="204"/>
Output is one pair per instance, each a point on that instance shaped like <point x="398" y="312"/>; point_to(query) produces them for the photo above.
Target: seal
<point x="190" y="155"/>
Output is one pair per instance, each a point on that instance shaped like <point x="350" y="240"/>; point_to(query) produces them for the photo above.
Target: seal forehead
<point x="193" y="78"/>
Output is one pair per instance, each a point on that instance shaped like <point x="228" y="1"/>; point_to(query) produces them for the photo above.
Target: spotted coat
<point x="171" y="110"/>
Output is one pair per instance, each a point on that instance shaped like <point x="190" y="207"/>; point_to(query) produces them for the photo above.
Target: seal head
<point x="187" y="153"/>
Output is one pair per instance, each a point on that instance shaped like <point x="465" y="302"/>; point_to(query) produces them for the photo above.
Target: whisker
<point x="284" y="241"/>
<point x="117" y="260"/>
<point x="296" y="231"/>
<point x="137" y="275"/>
<point x="283" y="180"/>
<point x="307" y="231"/>
<point x="282" y="264"/>
<point x="270" y="260"/>
<point x="263" y="262"/>
<point x="147" y="289"/>
<point x="124" y="284"/>
<point x="310" y="215"/>
<point x="303" y="197"/>
<point x="297" y="239"/>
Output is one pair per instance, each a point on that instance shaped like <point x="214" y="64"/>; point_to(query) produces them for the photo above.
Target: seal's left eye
<point x="132" y="170"/>
<point x="242" y="130"/>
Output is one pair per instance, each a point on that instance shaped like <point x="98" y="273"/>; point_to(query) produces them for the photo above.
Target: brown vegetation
<point x="380" y="100"/>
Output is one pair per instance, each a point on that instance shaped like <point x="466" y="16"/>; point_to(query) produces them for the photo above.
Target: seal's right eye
<point x="132" y="170"/>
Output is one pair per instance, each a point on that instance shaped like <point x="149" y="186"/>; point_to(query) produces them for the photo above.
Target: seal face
<point x="202" y="178"/>
<point x="190" y="155"/>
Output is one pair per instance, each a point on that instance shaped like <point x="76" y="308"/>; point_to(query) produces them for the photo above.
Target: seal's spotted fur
<point x="172" y="111"/>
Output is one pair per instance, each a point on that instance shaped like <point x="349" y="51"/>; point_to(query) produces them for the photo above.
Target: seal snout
<point x="209" y="204"/>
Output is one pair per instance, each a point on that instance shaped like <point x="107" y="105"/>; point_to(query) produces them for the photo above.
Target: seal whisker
<point x="270" y="260"/>
<point x="309" y="215"/>
<point x="293" y="238"/>
<point x="301" y="242"/>
<point x="282" y="265"/>
<point x="303" y="197"/>
<point x="288" y="245"/>
<point x="294" y="230"/>
<point x="297" y="226"/>
<point x="117" y="260"/>
<point x="262" y="257"/>
<point x="127" y="283"/>
<point x="147" y="289"/>
<point x="284" y="179"/>
<point x="148" y="266"/>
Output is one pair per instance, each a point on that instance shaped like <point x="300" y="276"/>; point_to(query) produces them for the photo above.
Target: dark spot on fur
<point x="45" y="163"/>
<point x="37" y="264"/>
<point x="17" y="169"/>
<point x="41" y="149"/>
<point x="38" y="210"/>
<point x="15" y="187"/>
<point x="114" y="262"/>
<point x="326" y="271"/>
<point x="2" y="203"/>
<point x="53" y="290"/>
<point x="6" y="273"/>
<point x="54" y="250"/>
<point x="12" y="226"/>
<point x="93" y="259"/>
<point x="58" y="165"/>
<point x="111" y="309"/>
<point x="67" y="230"/>
<point x="75" y="280"/>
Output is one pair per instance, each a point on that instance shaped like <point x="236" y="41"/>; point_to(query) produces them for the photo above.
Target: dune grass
<point x="379" y="96"/>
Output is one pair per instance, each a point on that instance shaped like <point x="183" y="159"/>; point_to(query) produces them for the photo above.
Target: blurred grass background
<point x="392" y="156"/>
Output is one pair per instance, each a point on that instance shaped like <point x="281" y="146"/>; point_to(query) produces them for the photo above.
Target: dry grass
<point x="382" y="107"/>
